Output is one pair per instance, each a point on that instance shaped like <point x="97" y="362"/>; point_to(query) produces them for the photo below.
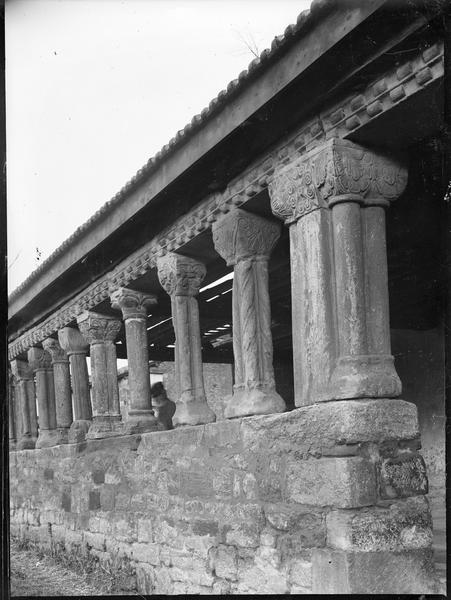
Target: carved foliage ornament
<point x="180" y="275"/>
<point x="239" y="235"/>
<point x="97" y="328"/>
<point x="72" y="341"/>
<point x="133" y="304"/>
<point x="54" y="349"/>
<point x="21" y="369"/>
<point x="338" y="168"/>
<point x="39" y="359"/>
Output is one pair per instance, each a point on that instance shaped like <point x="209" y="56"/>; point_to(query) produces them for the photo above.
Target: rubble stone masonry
<point x="298" y="502"/>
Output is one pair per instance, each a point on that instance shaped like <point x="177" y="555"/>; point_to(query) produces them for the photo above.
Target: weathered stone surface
<point x="207" y="508"/>
<point x="224" y="562"/>
<point x="403" y="476"/>
<point x="306" y="431"/>
<point x="405" y="525"/>
<point x="342" y="572"/>
<point x="343" y="482"/>
<point x="181" y="277"/>
<point x="246" y="240"/>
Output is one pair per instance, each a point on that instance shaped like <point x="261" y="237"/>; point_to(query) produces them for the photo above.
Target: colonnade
<point x="333" y="200"/>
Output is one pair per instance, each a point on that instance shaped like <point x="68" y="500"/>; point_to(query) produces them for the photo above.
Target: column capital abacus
<point x="97" y="328"/>
<point x="132" y="303"/>
<point x="21" y="369"/>
<point x="240" y="235"/>
<point x="338" y="170"/>
<point x="180" y="275"/>
<point x="71" y="341"/>
<point x="55" y="350"/>
<point x="39" y="359"/>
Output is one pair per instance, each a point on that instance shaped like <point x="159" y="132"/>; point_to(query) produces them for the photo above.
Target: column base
<point x="245" y="403"/>
<point x="26" y="443"/>
<point x="78" y="430"/>
<point x="105" y="426"/>
<point x="194" y="412"/>
<point x="142" y="421"/>
<point x="47" y="438"/>
<point x="371" y="376"/>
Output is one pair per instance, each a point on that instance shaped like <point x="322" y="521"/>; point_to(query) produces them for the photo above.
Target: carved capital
<point x="39" y="358"/>
<point x="54" y="349"/>
<point x="180" y="275"/>
<point x="339" y="170"/>
<point x="240" y="235"/>
<point x="21" y="369"/>
<point x="71" y="341"/>
<point x="133" y="304"/>
<point x="97" y="328"/>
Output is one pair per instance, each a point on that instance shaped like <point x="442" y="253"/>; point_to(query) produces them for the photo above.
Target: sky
<point x="94" y="88"/>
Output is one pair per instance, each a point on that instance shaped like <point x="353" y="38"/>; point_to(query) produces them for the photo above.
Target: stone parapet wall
<point x="289" y="503"/>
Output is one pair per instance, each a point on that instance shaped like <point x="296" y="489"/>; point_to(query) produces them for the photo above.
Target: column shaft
<point x="100" y="331"/>
<point x="133" y="305"/>
<point x="63" y="396"/>
<point x="245" y="241"/>
<point x="181" y="277"/>
<point x="40" y="360"/>
<point x="26" y="405"/>
<point x="12" y="418"/>
<point x="73" y="343"/>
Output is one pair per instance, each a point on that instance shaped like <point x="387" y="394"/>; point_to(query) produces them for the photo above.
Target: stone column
<point x="28" y="430"/>
<point x="181" y="277"/>
<point x="333" y="200"/>
<point x="134" y="306"/>
<point x="73" y="343"/>
<point x="63" y="395"/>
<point x="12" y="412"/>
<point x="41" y="363"/>
<point x="245" y="241"/>
<point x="101" y="331"/>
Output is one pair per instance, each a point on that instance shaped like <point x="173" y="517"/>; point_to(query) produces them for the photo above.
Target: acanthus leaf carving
<point x="338" y="168"/>
<point x="180" y="275"/>
<point x="240" y="235"/>
<point x="97" y="328"/>
<point x="54" y="349"/>
<point x="132" y="303"/>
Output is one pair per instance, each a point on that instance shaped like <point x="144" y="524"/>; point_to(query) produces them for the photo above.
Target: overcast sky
<point x="94" y="88"/>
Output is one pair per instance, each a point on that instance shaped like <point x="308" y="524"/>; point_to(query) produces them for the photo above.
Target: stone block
<point x="403" y="476"/>
<point x="224" y="562"/>
<point x="66" y="501"/>
<point x="300" y="573"/>
<point x="245" y="535"/>
<point x="107" y="495"/>
<point x="205" y="527"/>
<point x="256" y="579"/>
<point x="125" y="530"/>
<point x="342" y="572"/>
<point x="98" y="476"/>
<point x="145" y="578"/>
<point x="310" y="429"/>
<point x="406" y="525"/>
<point x="94" y="500"/>
<point x="146" y="553"/>
<point x="343" y="482"/>
<point x="145" y="530"/>
<point x="48" y="474"/>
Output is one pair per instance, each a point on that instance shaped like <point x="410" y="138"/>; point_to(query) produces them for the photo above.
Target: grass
<point x="35" y="572"/>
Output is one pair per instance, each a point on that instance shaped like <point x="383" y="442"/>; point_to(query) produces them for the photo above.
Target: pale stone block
<point x="300" y="573"/>
<point x="224" y="562"/>
<point x="343" y="572"/>
<point x="146" y="553"/>
<point x="344" y="482"/>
